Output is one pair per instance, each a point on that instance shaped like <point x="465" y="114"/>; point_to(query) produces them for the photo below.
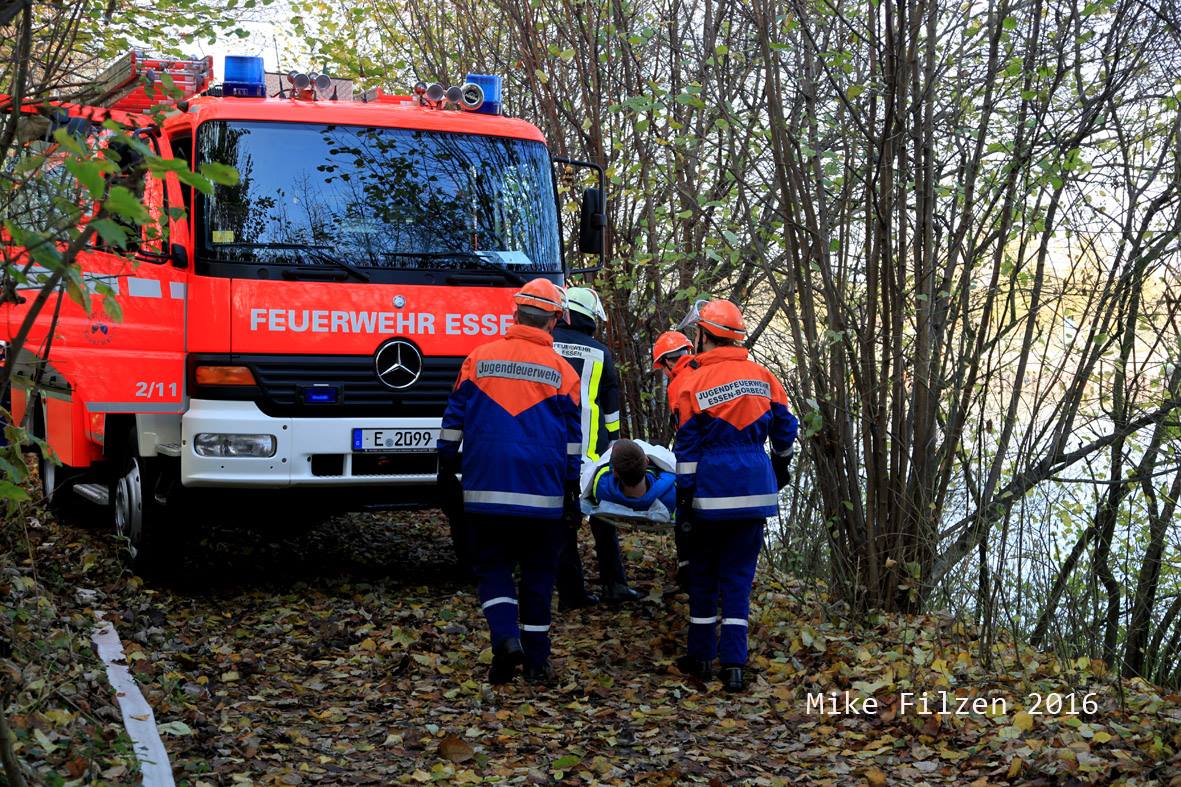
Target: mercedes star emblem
<point x="399" y="363"/>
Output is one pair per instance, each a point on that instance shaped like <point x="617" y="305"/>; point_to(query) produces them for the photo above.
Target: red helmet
<point x="542" y="294"/>
<point x="668" y="343"/>
<point x="720" y="319"/>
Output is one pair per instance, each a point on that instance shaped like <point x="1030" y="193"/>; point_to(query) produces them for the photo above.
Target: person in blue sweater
<point x="631" y="481"/>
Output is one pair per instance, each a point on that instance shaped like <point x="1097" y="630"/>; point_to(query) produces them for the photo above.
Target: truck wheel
<point x="139" y="518"/>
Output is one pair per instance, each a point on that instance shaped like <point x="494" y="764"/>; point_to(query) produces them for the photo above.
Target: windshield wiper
<point x="317" y="251"/>
<point x="477" y="261"/>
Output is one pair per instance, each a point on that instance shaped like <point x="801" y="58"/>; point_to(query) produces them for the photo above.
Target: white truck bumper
<point x="303" y="445"/>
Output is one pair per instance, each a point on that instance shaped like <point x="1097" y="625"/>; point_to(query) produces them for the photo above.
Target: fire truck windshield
<point x="379" y="198"/>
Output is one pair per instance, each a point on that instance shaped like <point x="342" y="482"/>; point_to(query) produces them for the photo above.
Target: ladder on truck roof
<point x="134" y="82"/>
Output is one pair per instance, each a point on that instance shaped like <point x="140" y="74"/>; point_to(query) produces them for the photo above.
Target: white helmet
<point x="585" y="300"/>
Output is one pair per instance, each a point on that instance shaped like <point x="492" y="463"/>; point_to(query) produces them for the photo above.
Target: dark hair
<point x="674" y="356"/>
<point x="720" y="341"/>
<point x="628" y="462"/>
<point x="533" y="318"/>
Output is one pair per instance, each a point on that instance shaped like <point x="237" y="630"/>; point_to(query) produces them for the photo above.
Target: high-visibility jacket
<point x="599" y="392"/>
<point x="728" y="408"/>
<point x="515" y="410"/>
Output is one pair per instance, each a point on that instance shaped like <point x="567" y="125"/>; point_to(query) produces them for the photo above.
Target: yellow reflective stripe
<point x="595" y="481"/>
<point x="593" y="397"/>
<point x="611" y="421"/>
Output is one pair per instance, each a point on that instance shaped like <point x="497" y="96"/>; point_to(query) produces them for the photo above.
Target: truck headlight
<point x="225" y="445"/>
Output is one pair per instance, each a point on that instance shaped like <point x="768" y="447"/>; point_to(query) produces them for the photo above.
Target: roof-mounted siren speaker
<point x="454" y="95"/>
<point x="471" y="97"/>
<point x="489" y="84"/>
<point x="300" y="84"/>
<point x="321" y="82"/>
<point x="435" y="94"/>
<point x="244" y="77"/>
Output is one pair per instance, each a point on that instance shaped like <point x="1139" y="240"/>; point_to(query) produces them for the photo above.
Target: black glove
<point x="449" y="489"/>
<point x="449" y="464"/>
<point x="781" y="464"/>
<point x="571" y="505"/>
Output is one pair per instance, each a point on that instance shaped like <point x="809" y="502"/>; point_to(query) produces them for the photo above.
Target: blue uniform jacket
<point x="728" y="407"/>
<point x="662" y="486"/>
<point x="515" y="410"/>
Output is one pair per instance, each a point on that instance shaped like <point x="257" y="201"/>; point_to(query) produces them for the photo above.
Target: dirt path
<point x="348" y="654"/>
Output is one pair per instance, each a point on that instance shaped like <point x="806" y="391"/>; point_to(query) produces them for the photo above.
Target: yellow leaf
<point x="875" y="777"/>
<point x="59" y="717"/>
<point x="1015" y="768"/>
<point x="1023" y="721"/>
<point x="1102" y="737"/>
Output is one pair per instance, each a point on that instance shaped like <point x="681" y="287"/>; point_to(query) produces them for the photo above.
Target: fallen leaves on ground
<point x="346" y="654"/>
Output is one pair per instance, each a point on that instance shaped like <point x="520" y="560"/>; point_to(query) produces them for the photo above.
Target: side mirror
<point x="179" y="255"/>
<point x="592" y="222"/>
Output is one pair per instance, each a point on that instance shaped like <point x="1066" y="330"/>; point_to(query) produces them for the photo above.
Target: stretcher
<point x="657" y="518"/>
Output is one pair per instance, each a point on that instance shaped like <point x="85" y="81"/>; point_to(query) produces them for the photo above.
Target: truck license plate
<point x="395" y="441"/>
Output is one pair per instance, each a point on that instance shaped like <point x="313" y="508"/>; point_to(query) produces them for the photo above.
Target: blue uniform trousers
<point x="502" y="544"/>
<point x="722" y="559"/>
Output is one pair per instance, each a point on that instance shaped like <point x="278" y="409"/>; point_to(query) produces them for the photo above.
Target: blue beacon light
<point x="244" y="77"/>
<point x="490" y="84"/>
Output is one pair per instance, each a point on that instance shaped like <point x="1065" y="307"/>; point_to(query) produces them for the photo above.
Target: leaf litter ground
<point x="348" y="654"/>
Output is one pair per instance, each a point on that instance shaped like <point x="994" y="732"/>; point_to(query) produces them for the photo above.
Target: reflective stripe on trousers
<point x="511" y="498"/>
<point x="725" y="503"/>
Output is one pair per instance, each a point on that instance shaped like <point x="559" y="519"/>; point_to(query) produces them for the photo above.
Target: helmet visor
<point x="693" y="316"/>
<point x="600" y="312"/>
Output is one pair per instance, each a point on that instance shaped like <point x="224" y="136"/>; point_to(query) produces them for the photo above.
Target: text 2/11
<point x="146" y="389"/>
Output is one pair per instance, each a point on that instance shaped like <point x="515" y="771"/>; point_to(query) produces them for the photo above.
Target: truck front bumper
<point x="310" y="452"/>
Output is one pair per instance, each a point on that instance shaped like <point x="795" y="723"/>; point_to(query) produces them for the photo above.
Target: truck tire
<point x="145" y="535"/>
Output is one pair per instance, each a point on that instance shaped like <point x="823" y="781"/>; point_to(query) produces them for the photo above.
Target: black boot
<point x="619" y="592"/>
<point x="576" y="601"/>
<point x="506" y="656"/>
<point x="541" y="675"/>
<point x="733" y="678"/>
<point x="695" y="668"/>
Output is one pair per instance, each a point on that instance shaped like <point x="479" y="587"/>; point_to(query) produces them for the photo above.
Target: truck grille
<point x="285" y="380"/>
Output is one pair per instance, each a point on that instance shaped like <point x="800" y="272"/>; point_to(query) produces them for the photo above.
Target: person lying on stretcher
<point x="637" y="483"/>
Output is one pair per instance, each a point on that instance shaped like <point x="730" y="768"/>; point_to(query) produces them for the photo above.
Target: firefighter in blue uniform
<point x="576" y="342"/>
<point x="515" y="409"/>
<point x="727" y="486"/>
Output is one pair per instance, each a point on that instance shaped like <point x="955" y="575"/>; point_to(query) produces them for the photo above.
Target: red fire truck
<point x="303" y="328"/>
